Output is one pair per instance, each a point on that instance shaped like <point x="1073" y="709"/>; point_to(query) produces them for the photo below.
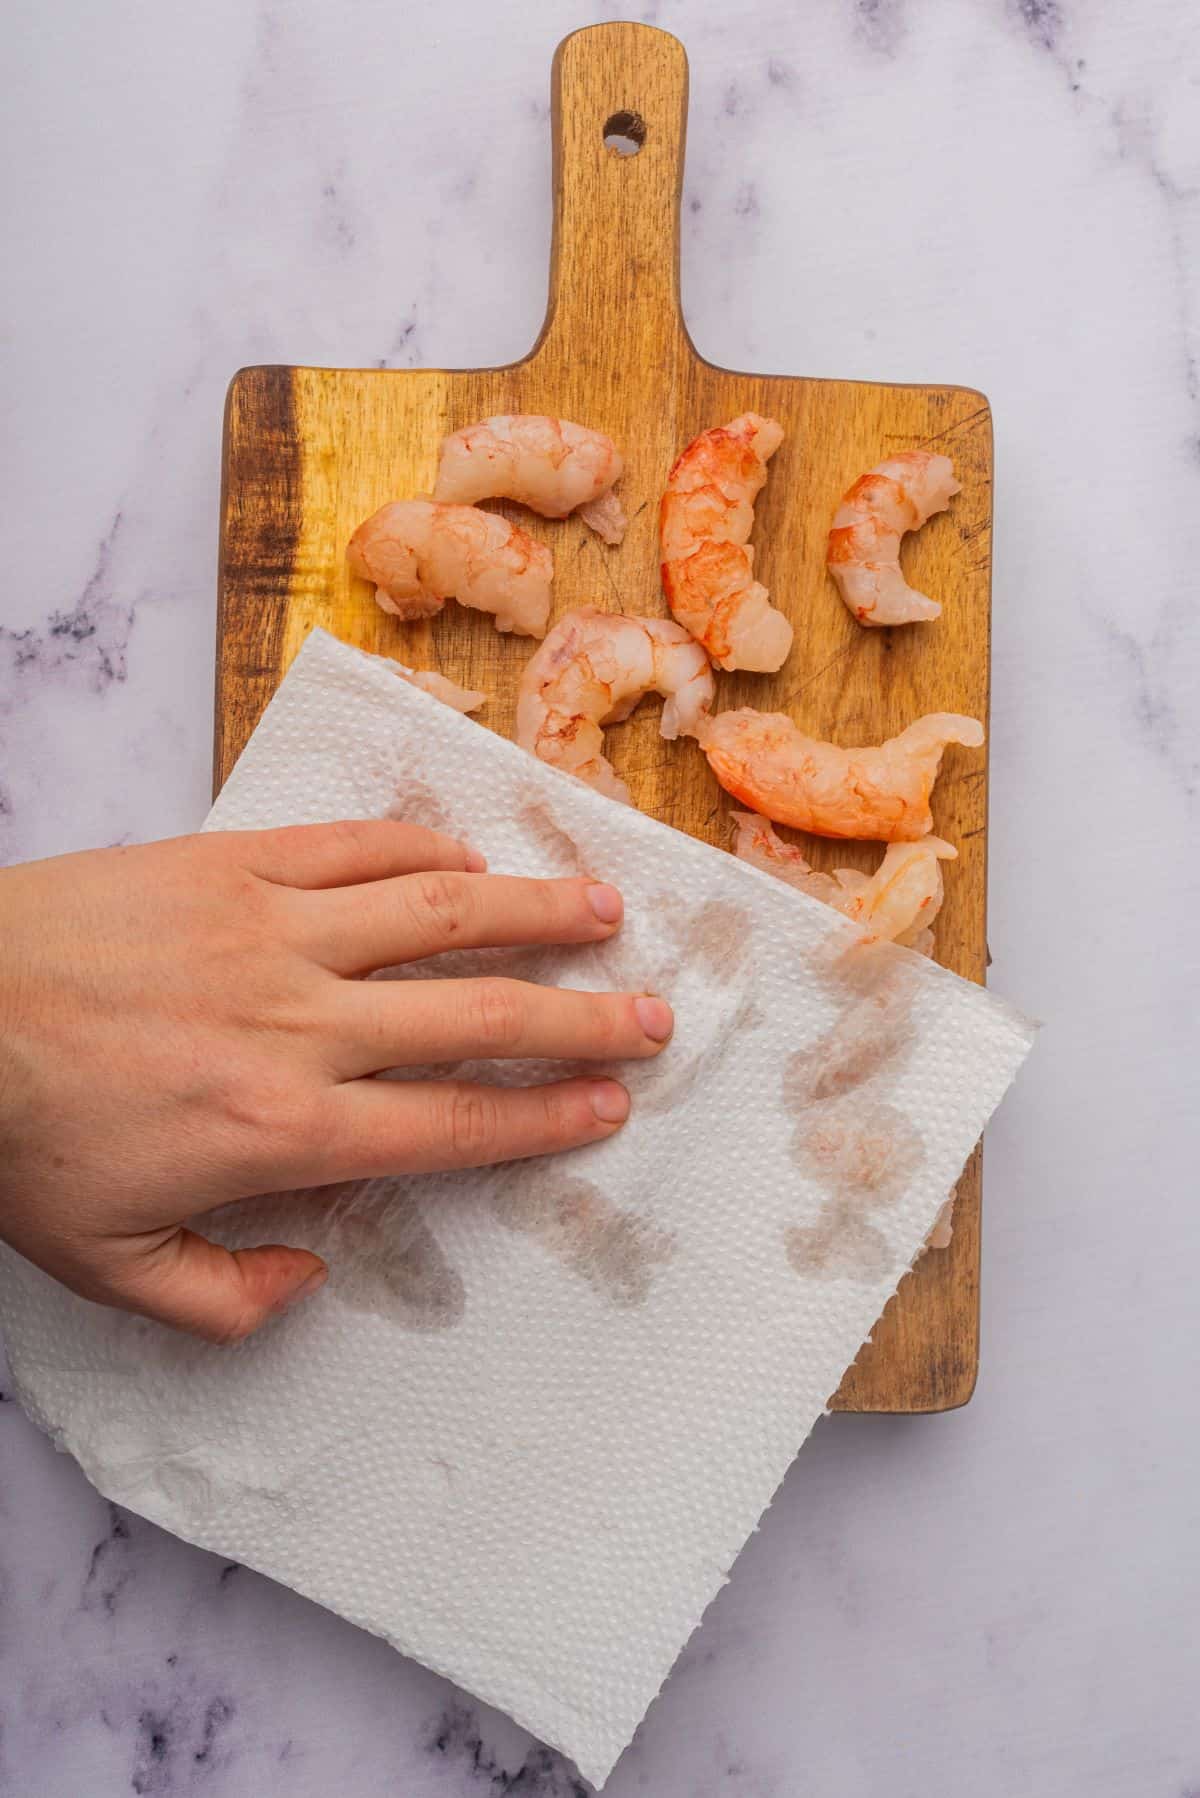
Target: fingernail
<point x="606" y="902"/>
<point x="476" y="863"/>
<point x="655" y="1017"/>
<point x="314" y="1283"/>
<point x="610" y="1102"/>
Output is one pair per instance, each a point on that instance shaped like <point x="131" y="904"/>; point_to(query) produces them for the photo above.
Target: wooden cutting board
<point x="310" y="452"/>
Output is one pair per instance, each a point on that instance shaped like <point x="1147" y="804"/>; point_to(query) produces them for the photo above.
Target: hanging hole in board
<point x="625" y="133"/>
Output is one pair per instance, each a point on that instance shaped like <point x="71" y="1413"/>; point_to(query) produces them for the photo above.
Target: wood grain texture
<point x="310" y="452"/>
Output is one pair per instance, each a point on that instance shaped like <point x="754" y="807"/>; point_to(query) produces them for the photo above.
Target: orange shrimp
<point x="420" y="553"/>
<point x="548" y="464"/>
<point x="898" y="903"/>
<point x="461" y="699"/>
<point x="591" y="671"/>
<point x="705" y="522"/>
<point x="864" y="544"/>
<point x="880" y="793"/>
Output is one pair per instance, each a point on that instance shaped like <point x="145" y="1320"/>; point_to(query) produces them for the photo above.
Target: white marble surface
<point x="1001" y="1601"/>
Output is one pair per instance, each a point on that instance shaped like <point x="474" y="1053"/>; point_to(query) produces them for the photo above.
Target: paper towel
<point x="535" y="1413"/>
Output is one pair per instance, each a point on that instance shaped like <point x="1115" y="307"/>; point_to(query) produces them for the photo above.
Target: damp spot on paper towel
<point x="859" y="1151"/>
<point x="872" y="1033"/>
<point x="865" y="1041"/>
<point x="456" y="1739"/>
<point x="868" y="967"/>
<point x="749" y="1016"/>
<point x="615" y="1251"/>
<point x="383" y="1258"/>
<point x="417" y="803"/>
<point x="717" y="933"/>
<point x="865" y="1153"/>
<point x="840" y="1246"/>
<point x="393" y="1263"/>
<point x="536" y="817"/>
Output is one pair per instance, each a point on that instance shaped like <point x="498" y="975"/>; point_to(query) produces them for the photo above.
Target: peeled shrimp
<point x="707" y="563"/>
<point x="896" y="904"/>
<point x="880" y="793"/>
<point x="864" y="545"/>
<point x="943" y="1227"/>
<point x="548" y="464"/>
<point x="420" y="553"/>
<point x="591" y="671"/>
<point x="462" y="699"/>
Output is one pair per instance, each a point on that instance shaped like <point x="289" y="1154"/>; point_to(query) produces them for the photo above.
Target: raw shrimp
<point x="591" y="671"/>
<point x="707" y="563"/>
<point x="864" y="545"/>
<point x="897" y="903"/>
<point x="548" y="464"/>
<point x="880" y="793"/>
<point x="420" y="553"/>
<point x="462" y="699"/>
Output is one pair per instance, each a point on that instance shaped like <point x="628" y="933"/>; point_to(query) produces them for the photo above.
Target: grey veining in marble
<point x="1001" y="192"/>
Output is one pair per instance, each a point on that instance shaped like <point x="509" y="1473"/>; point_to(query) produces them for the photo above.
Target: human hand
<point x="182" y="1024"/>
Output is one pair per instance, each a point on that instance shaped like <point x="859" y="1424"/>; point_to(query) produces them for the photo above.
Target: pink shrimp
<point x="880" y="793"/>
<point x="548" y="464"/>
<point x="707" y="561"/>
<point x="420" y="553"/>
<point x="898" y="903"/>
<point x="864" y="544"/>
<point x="591" y="671"/>
<point x="461" y="699"/>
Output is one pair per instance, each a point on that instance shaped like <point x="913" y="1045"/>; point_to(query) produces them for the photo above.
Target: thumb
<point x="220" y="1294"/>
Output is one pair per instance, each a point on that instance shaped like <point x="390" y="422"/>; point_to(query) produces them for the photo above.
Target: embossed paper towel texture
<point x="535" y="1413"/>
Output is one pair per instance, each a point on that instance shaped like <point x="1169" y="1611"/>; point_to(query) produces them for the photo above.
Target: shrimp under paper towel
<point x="591" y="671"/>
<point x="879" y="793"/>
<point x="898" y="903"/>
<point x="459" y="699"/>
<point x="706" y="517"/>
<point x="864" y="544"/>
<point x="548" y="464"/>
<point x="420" y="553"/>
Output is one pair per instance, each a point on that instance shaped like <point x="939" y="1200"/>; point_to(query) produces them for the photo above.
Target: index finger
<point x="350" y="852"/>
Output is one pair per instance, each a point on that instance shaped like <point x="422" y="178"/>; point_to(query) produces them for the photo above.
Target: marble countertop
<point x="999" y="1601"/>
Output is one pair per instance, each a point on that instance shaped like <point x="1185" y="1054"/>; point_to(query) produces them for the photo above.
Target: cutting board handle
<point x="614" y="267"/>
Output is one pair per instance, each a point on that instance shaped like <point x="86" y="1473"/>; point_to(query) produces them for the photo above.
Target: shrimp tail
<point x="879" y="792"/>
